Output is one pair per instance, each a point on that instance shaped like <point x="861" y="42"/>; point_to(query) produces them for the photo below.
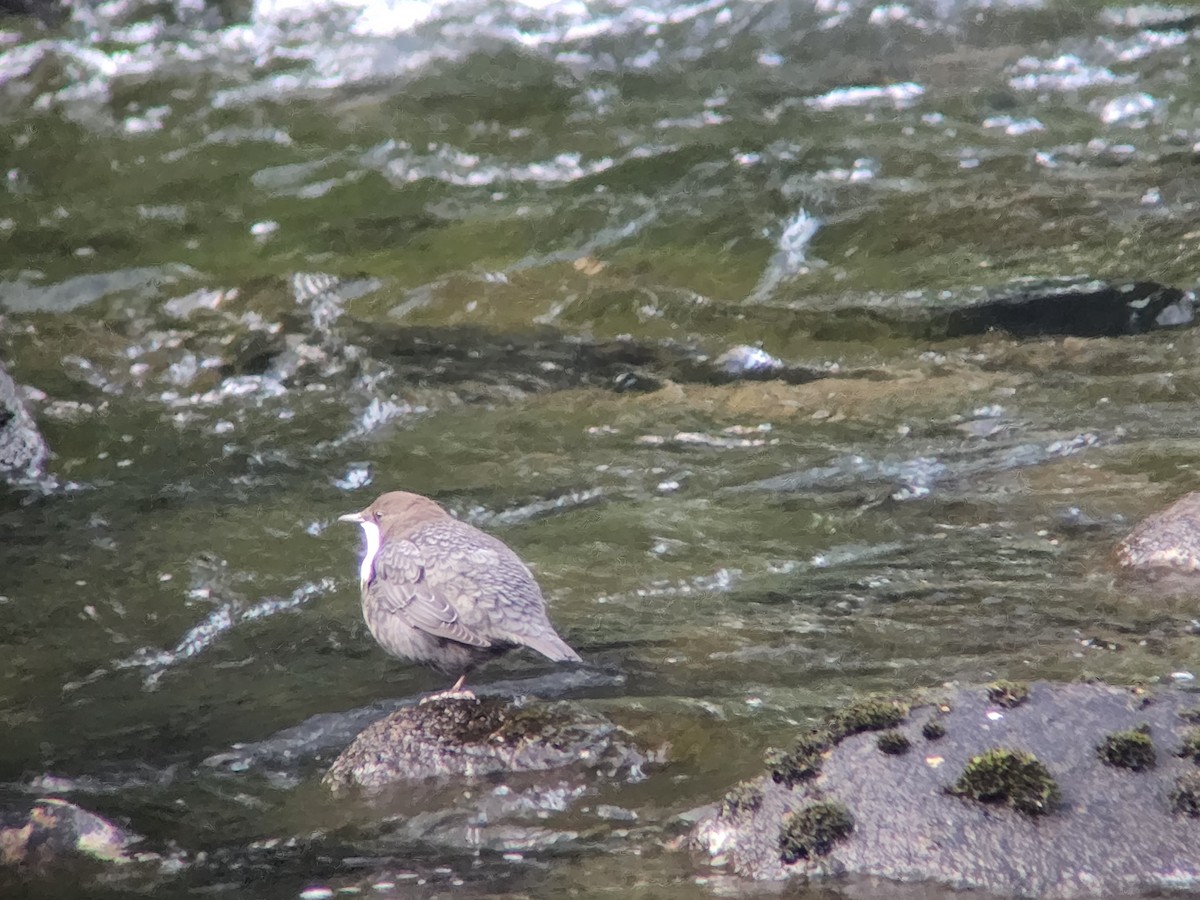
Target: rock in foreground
<point x="1064" y="791"/>
<point x="52" y="832"/>
<point x="468" y="737"/>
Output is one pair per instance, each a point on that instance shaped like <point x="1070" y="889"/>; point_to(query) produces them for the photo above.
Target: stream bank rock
<point x="471" y="737"/>
<point x="1045" y="790"/>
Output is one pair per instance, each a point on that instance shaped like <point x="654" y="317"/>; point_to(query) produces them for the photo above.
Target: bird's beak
<point x="356" y="518"/>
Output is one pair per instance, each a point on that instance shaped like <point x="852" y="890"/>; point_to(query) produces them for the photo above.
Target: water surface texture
<point x="612" y="281"/>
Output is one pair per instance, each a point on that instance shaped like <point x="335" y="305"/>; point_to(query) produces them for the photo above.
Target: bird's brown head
<point x="397" y="509"/>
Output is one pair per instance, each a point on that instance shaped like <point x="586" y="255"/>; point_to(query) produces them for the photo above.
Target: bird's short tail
<point x="553" y="647"/>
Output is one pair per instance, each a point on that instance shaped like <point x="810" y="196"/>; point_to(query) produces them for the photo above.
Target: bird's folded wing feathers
<point x="401" y="586"/>
<point x="505" y="591"/>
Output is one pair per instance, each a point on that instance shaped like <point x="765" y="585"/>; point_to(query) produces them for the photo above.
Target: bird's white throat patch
<point x="371" y="530"/>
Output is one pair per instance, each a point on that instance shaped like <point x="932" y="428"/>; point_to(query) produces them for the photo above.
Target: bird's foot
<point x="458" y="691"/>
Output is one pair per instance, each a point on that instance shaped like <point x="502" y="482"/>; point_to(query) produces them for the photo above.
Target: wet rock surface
<point x="23" y="450"/>
<point x="1165" y="543"/>
<point x="1057" y="795"/>
<point x="55" y="833"/>
<point x="473" y="737"/>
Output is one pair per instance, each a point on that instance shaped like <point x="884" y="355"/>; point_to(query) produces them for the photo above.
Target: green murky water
<point x="552" y="229"/>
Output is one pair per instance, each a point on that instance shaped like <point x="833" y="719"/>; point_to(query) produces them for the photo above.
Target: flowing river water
<point x="604" y="279"/>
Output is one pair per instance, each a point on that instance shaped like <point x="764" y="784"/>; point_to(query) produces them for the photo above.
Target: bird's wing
<point x="499" y="595"/>
<point x="401" y="586"/>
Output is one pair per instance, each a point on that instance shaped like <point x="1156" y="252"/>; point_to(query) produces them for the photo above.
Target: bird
<point x="442" y="593"/>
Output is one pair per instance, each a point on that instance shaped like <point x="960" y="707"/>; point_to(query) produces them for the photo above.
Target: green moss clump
<point x="1008" y="693"/>
<point x="871" y="714"/>
<point x="1013" y="777"/>
<point x="744" y="797"/>
<point x="1191" y="745"/>
<point x="1191" y="716"/>
<point x="1128" y="750"/>
<point x="893" y="742"/>
<point x="1185" y="795"/>
<point x="933" y="729"/>
<point x="803" y="761"/>
<point x="813" y="830"/>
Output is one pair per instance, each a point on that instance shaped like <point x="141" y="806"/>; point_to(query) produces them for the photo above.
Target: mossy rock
<point x="1012" y="777"/>
<point x="1131" y="749"/>
<point x="1085" y="830"/>
<point x="812" y="831"/>
<point x="1189" y="746"/>
<point x="871" y="714"/>
<point x="803" y="761"/>
<point x="933" y="729"/>
<point x="893" y="742"/>
<point x="1008" y="694"/>
<point x="745" y="797"/>
<point x="1185" y="795"/>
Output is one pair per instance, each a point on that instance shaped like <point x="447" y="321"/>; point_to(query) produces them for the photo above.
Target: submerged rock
<point x="53" y="832"/>
<point x="1073" y="306"/>
<point x="1059" y="796"/>
<point x="1166" y="542"/>
<point x="548" y="359"/>
<point x="471" y="737"/>
<point x="917" y="478"/>
<point x="1024" y="307"/>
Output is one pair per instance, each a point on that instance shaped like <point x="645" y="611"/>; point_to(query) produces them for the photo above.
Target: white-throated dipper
<point x="445" y="594"/>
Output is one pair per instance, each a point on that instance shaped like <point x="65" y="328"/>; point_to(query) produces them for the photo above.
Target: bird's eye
<point x="378" y="515"/>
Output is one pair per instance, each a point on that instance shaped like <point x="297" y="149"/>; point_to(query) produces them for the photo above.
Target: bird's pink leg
<point x="457" y="692"/>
